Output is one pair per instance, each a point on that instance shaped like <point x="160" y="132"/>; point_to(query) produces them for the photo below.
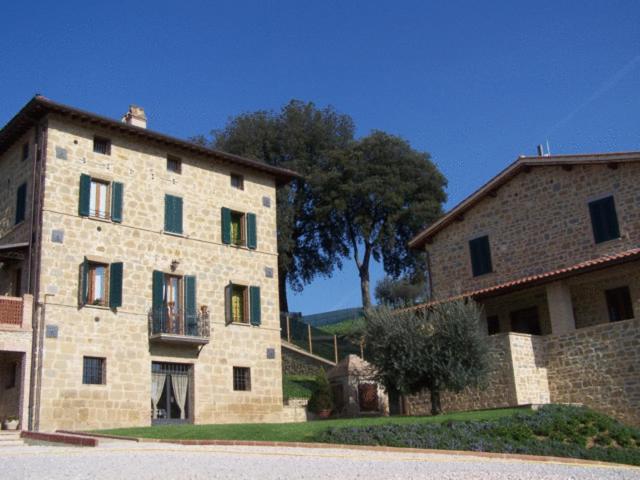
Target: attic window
<point x="102" y="145"/>
<point x="174" y="164"/>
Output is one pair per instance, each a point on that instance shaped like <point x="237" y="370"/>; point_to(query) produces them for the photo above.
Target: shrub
<point x="321" y="398"/>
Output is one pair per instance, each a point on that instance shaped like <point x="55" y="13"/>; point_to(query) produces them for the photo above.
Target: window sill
<point x="99" y="219"/>
<point x="607" y="242"/>
<point x="480" y="275"/>
<point x="243" y="324"/>
<point x="97" y="307"/>
<point x="174" y="234"/>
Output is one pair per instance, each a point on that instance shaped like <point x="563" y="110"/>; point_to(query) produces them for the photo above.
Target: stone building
<point x="550" y="247"/>
<point x="139" y="275"/>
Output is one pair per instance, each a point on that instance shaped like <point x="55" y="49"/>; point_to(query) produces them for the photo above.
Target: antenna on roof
<point x="541" y="152"/>
<point x="548" y="149"/>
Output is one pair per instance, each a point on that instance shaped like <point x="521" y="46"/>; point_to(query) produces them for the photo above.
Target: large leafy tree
<point x="301" y="137"/>
<point x="437" y="349"/>
<point x="374" y="198"/>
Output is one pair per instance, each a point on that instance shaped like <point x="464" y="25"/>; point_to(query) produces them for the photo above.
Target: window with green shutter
<point x="252" y="234"/>
<point x="115" y="284"/>
<point x="117" y="194"/>
<point x="604" y="220"/>
<point x="101" y="283"/>
<point x="172" y="214"/>
<point x="242" y="304"/>
<point x="100" y="198"/>
<point x="239" y="228"/>
<point x="254" y="300"/>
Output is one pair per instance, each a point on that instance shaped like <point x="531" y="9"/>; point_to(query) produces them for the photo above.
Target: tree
<point x="374" y="198"/>
<point x="321" y="397"/>
<point x="300" y="137"/>
<point x="440" y="348"/>
<point x="401" y="292"/>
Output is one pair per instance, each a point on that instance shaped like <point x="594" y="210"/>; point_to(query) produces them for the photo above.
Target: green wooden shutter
<point x="157" y="299"/>
<point x="21" y="203"/>
<point x="190" y="305"/>
<point x="254" y="300"/>
<point x="84" y="281"/>
<point x="227" y="304"/>
<point x="226" y="226"/>
<point x="177" y="214"/>
<point x="117" y="192"/>
<point x="168" y="213"/>
<point x="172" y="214"/>
<point x="85" y="195"/>
<point x="252" y="233"/>
<point x="115" y="285"/>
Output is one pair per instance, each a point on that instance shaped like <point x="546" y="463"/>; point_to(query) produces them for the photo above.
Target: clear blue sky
<point x="473" y="83"/>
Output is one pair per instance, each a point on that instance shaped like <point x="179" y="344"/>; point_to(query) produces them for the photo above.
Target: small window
<point x="93" y="371"/>
<point x="21" y="203"/>
<point x="174" y="164"/>
<point x="526" y="321"/>
<point x="241" y="378"/>
<point x="97" y="274"/>
<point x="619" y="304"/>
<point x="237" y="181"/>
<point x="493" y="324"/>
<point x="99" y="199"/>
<point x="480" y="256"/>
<point x="238" y="236"/>
<point x="25" y="151"/>
<point x="239" y="304"/>
<point x="604" y="220"/>
<point x="102" y="145"/>
<point x="13" y="373"/>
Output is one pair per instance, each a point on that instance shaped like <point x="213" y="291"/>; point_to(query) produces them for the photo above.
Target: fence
<point x="316" y="341"/>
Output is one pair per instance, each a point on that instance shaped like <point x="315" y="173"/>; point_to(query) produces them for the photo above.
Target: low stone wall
<point x="499" y="391"/>
<point x="298" y="363"/>
<point x="529" y="363"/>
<point x="598" y="366"/>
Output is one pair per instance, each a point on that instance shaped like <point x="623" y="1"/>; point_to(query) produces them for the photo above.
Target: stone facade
<point x="120" y="335"/>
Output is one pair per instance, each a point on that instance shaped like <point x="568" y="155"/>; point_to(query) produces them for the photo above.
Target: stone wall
<point x="296" y="362"/>
<point x="121" y="336"/>
<point x="539" y="221"/>
<point x="529" y="363"/>
<point x="598" y="366"/>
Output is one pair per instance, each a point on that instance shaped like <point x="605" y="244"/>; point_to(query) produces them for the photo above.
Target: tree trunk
<point x="436" y="408"/>
<point x="364" y="287"/>
<point x="282" y="291"/>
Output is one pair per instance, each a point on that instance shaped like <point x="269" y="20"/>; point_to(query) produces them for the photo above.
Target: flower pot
<point x="10" y="424"/>
<point x="324" y="414"/>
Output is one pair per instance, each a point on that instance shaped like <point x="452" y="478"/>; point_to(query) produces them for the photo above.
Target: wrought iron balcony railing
<point x="169" y="324"/>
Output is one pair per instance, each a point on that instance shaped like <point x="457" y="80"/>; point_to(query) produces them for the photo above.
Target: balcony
<point x="173" y="326"/>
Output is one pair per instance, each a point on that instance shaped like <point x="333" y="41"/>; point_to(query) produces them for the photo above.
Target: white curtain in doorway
<point x="180" y="384"/>
<point x="157" y="385"/>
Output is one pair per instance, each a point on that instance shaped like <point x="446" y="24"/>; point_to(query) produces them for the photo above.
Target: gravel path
<point x="129" y="460"/>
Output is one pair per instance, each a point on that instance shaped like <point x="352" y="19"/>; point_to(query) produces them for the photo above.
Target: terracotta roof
<point x="542" y="278"/>
<point x="522" y="163"/>
<point x="40" y="106"/>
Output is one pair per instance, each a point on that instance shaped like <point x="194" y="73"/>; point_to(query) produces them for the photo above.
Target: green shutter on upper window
<point x="228" y="318"/>
<point x="172" y="214"/>
<point x="157" y="294"/>
<point x="190" y="305"/>
<point x="85" y="195"/>
<point x="84" y="281"/>
<point x="115" y="285"/>
<point x="117" y="193"/>
<point x="226" y="226"/>
<point x="252" y="233"/>
<point x="254" y="300"/>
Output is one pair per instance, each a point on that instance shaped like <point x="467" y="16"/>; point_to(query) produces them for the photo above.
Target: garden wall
<point x="299" y="362"/>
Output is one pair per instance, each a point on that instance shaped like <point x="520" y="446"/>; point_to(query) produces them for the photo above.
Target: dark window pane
<point x="493" y="325"/>
<point x="480" y="256"/>
<point x="93" y="371"/>
<point x="619" y="304"/>
<point x="241" y="378"/>
<point x="174" y="164"/>
<point x="237" y="181"/>
<point x="25" y="151"/>
<point x="102" y="145"/>
<point x="526" y="321"/>
<point x="604" y="220"/>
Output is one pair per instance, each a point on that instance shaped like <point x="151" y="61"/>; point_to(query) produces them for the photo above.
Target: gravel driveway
<point x="123" y="460"/>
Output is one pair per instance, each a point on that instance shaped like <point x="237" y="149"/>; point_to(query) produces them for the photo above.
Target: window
<point x="619" y="304"/>
<point x="101" y="284"/>
<point x="237" y="181"/>
<point x="13" y="373"/>
<point x="174" y="304"/>
<point x="25" y="151"/>
<point x="102" y="145"/>
<point x="239" y="228"/>
<point x="100" y="198"/>
<point x="241" y="379"/>
<point x="480" y="256"/>
<point x="93" y="371"/>
<point x="493" y="324"/>
<point x="242" y="304"/>
<point x="526" y="321"/>
<point x="21" y="203"/>
<point x="604" y="220"/>
<point x="172" y="214"/>
<point x="174" y="164"/>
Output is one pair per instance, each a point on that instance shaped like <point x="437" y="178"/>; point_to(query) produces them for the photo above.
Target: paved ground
<point x="129" y="460"/>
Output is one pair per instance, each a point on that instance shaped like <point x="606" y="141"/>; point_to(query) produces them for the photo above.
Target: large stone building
<point x="551" y="248"/>
<point x="138" y="274"/>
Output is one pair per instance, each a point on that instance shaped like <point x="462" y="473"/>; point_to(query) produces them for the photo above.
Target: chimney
<point x="135" y="116"/>
<point x="540" y="150"/>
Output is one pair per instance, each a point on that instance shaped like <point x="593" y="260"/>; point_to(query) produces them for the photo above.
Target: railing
<point x="177" y="322"/>
<point x="316" y="341"/>
<point x="11" y="311"/>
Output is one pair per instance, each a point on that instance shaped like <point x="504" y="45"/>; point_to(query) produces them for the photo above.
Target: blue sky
<point x="475" y="84"/>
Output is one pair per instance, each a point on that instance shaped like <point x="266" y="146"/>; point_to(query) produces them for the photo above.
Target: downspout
<point x="37" y="315"/>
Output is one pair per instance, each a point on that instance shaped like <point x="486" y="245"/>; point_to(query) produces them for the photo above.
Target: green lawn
<point x="294" y="432"/>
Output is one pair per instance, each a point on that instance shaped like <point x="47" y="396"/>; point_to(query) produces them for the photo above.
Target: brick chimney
<point x="135" y="116"/>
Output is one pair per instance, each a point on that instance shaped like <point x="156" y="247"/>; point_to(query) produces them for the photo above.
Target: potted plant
<point x="10" y="423"/>
<point x="321" y="401"/>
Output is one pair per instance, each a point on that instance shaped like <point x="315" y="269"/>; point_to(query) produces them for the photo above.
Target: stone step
<point x="12" y="443"/>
